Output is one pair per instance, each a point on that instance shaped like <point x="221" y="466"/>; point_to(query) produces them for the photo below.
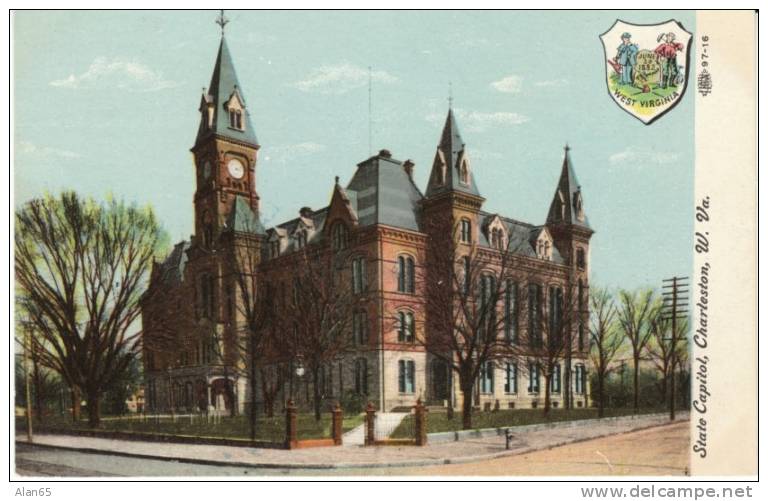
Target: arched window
<point x="406" y="274"/>
<point x="405" y="328"/>
<point x="358" y="275"/>
<point x="339" y="236"/>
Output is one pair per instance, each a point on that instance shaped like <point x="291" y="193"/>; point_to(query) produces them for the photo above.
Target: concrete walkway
<point x="384" y="421"/>
<point x="465" y="451"/>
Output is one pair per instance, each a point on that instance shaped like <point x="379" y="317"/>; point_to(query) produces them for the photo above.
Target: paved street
<point x="661" y="450"/>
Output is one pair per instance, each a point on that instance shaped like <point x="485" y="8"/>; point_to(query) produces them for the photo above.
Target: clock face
<point x="236" y="169"/>
<point x="207" y="169"/>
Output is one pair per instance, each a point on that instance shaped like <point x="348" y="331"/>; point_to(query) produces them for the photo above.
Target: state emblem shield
<point x="646" y="67"/>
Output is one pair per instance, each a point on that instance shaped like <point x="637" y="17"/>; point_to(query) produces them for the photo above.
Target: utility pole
<point x="27" y="346"/>
<point x="674" y="307"/>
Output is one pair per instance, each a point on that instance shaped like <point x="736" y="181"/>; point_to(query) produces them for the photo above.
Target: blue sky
<point x="106" y="102"/>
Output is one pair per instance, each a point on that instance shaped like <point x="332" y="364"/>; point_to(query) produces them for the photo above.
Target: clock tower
<point x="225" y="155"/>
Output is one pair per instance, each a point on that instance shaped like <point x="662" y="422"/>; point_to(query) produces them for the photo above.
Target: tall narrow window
<point x="510" y="312"/>
<point x="533" y="377"/>
<point x="339" y="236"/>
<point x="555" y="334"/>
<point x="406" y="274"/>
<point x="405" y="327"/>
<point x="581" y="261"/>
<point x="358" y="275"/>
<point x="466" y="231"/>
<point x="581" y="336"/>
<point x="510" y="377"/>
<point x="467" y="271"/>
<point x="534" y="315"/>
<point x="580" y="382"/>
<point x="360" y="327"/>
<point x="361" y="376"/>
<point x="555" y="378"/>
<point x="486" y="377"/>
<point x="406" y="376"/>
<point x="488" y="307"/>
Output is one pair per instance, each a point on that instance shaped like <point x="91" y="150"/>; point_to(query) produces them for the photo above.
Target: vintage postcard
<point x="372" y="244"/>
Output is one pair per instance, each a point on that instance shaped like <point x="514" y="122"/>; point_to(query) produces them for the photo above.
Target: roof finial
<point x="567" y="148"/>
<point x="337" y="179"/>
<point x="450" y="95"/>
<point x="222" y="21"/>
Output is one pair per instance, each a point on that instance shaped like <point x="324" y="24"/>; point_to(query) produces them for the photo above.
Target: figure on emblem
<point x="667" y="54"/>
<point x="626" y="56"/>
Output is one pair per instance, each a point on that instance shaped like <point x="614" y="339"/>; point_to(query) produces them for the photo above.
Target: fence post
<point x="337" y="418"/>
<point x="370" y="418"/>
<point x="290" y="424"/>
<point x="421" y="423"/>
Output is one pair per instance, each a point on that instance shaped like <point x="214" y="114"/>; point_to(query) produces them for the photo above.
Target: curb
<point x="342" y="466"/>
<point x="459" y="435"/>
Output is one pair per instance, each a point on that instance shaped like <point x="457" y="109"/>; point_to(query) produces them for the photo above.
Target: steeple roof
<point x="450" y="159"/>
<point x="568" y="204"/>
<point x="223" y="91"/>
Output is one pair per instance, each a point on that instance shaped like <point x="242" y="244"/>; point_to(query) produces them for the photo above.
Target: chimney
<point x="408" y="166"/>
<point x="385" y="153"/>
<point x="305" y="212"/>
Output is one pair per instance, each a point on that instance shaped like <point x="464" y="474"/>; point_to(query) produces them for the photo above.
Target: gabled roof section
<point x="342" y="205"/>
<point x="384" y="193"/>
<point x="171" y="270"/>
<point x="450" y="159"/>
<point x="242" y="219"/>
<point x="224" y="86"/>
<point x="568" y="204"/>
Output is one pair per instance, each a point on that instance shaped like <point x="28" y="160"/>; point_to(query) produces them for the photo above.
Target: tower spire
<point x="222" y="21"/>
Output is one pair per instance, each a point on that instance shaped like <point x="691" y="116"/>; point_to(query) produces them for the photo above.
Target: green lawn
<point x="268" y="429"/>
<point x="439" y="422"/>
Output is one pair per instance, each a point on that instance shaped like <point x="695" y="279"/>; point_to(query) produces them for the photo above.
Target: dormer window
<point x="578" y="205"/>
<point x="236" y="119"/>
<point x="301" y="239"/>
<point x="274" y="248"/>
<point x="464" y="171"/>
<point x="544" y="249"/>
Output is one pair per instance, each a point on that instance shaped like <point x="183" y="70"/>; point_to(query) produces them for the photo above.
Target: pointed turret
<point x="568" y="204"/>
<point x="223" y="111"/>
<point x="451" y="170"/>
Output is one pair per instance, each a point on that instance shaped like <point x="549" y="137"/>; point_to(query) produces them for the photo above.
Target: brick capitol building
<point x="385" y="225"/>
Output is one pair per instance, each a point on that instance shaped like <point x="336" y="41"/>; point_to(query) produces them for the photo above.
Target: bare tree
<point x="317" y="318"/>
<point x="605" y="339"/>
<point x="635" y="314"/>
<point x="81" y="268"/>
<point x="473" y="301"/>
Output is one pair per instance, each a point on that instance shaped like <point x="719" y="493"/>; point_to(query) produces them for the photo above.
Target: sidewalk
<point x="465" y="451"/>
